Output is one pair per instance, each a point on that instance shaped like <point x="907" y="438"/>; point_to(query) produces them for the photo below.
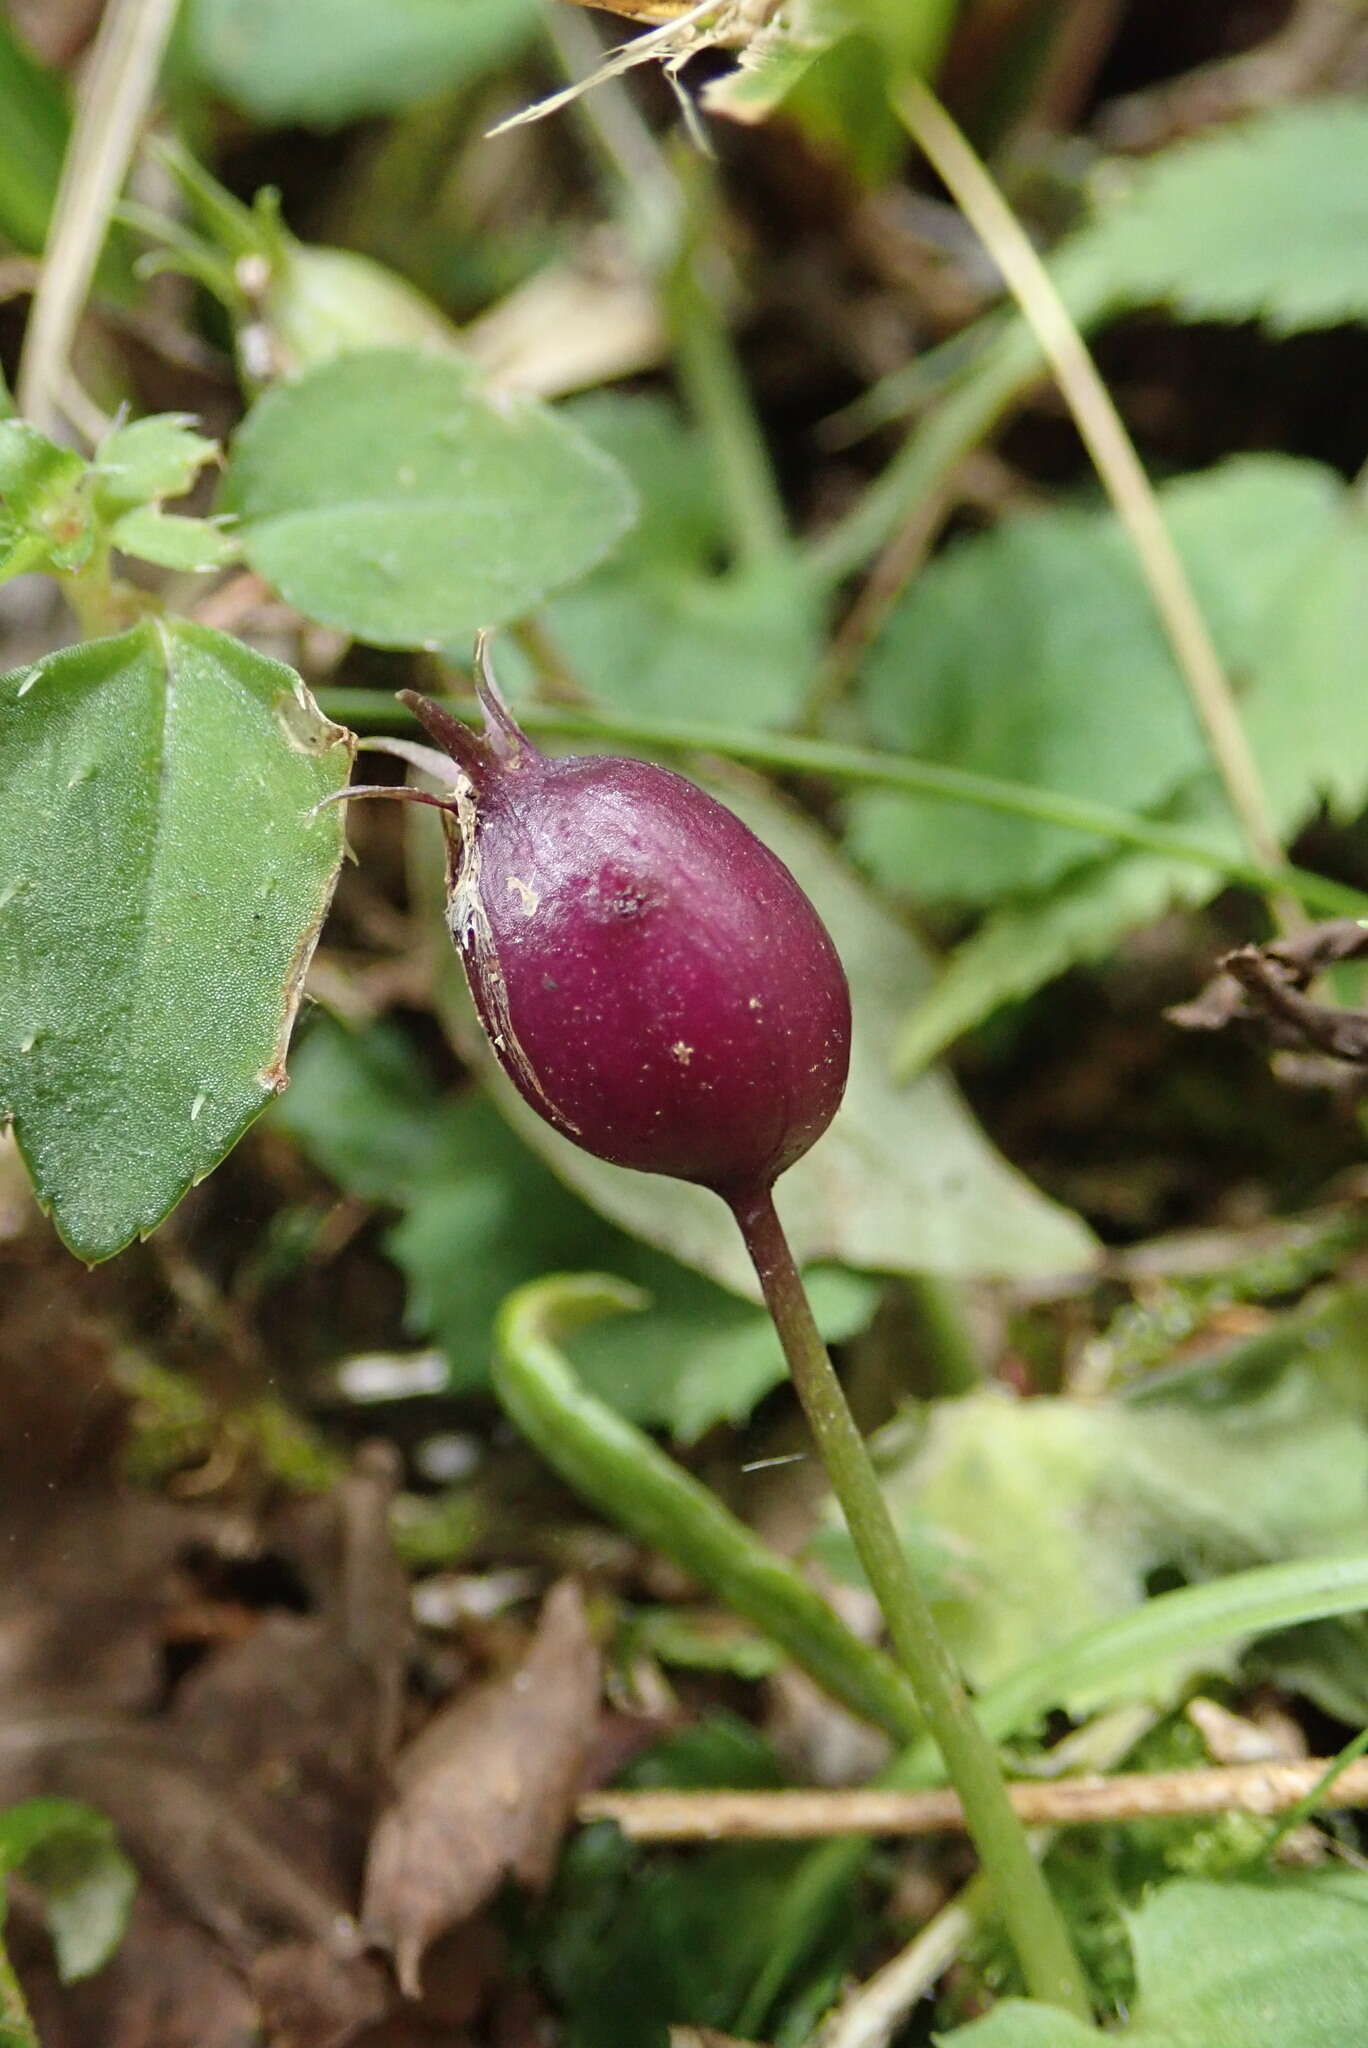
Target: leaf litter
<point x="230" y="1686"/>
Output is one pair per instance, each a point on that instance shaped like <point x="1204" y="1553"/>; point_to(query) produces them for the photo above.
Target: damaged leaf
<point x="162" y="882"/>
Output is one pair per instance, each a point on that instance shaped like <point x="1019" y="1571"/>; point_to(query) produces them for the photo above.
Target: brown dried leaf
<point x="485" y="1791"/>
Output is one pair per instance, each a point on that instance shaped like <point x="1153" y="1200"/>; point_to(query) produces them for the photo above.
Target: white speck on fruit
<point x="526" y="895"/>
<point x="683" y="1053"/>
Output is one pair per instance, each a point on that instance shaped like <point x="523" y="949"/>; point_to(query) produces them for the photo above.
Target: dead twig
<point x="1265" y="985"/>
<point x="1262" y="1788"/>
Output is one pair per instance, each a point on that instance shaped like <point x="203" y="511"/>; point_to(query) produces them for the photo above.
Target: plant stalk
<point x="1112" y="451"/>
<point x="1032" y="1918"/>
<point x="711" y="379"/>
<point x="117" y="89"/>
<point x="376" y="710"/>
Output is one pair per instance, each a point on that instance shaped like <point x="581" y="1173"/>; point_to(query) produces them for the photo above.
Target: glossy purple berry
<point x="652" y="979"/>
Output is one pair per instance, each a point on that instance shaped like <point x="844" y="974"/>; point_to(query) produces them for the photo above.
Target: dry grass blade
<point x="1113" y="452"/>
<point x="118" y="87"/>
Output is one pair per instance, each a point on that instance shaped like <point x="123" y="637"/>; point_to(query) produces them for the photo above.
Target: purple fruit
<point x="653" y="980"/>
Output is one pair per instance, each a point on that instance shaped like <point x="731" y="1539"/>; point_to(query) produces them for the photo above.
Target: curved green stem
<point x="616" y="1466"/>
<point x="1033" y="1920"/>
<point x="375" y="710"/>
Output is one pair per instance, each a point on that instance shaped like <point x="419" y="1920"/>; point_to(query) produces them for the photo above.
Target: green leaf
<point x="366" y="1112"/>
<point x="1015" y="2023"/>
<point x="173" y="541"/>
<point x="1308" y="713"/>
<point x="69" y="1853"/>
<point x="1035" y="652"/>
<point x="34" y="471"/>
<point x="1193" y="1624"/>
<point x="386" y="493"/>
<point x="483" y="1215"/>
<point x="1265" y="219"/>
<point x="1271" y="1965"/>
<point x="324" y="302"/>
<point x="490" y="1219"/>
<point x="47" y="521"/>
<point x="20" y="551"/>
<point x="57" y="505"/>
<point x="1047" y="1516"/>
<point x="1304" y="664"/>
<point x="842" y="102"/>
<point x="659" y="628"/>
<point x="332" y="61"/>
<point x="704" y="1356"/>
<point x="480" y="1213"/>
<point x="634" y="1942"/>
<point x="904" y="1180"/>
<point x="153" y="458"/>
<point x="705" y="1640"/>
<point x="162" y="883"/>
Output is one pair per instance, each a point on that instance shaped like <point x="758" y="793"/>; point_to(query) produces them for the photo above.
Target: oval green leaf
<point x="162" y="884"/>
<point x="388" y="493"/>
